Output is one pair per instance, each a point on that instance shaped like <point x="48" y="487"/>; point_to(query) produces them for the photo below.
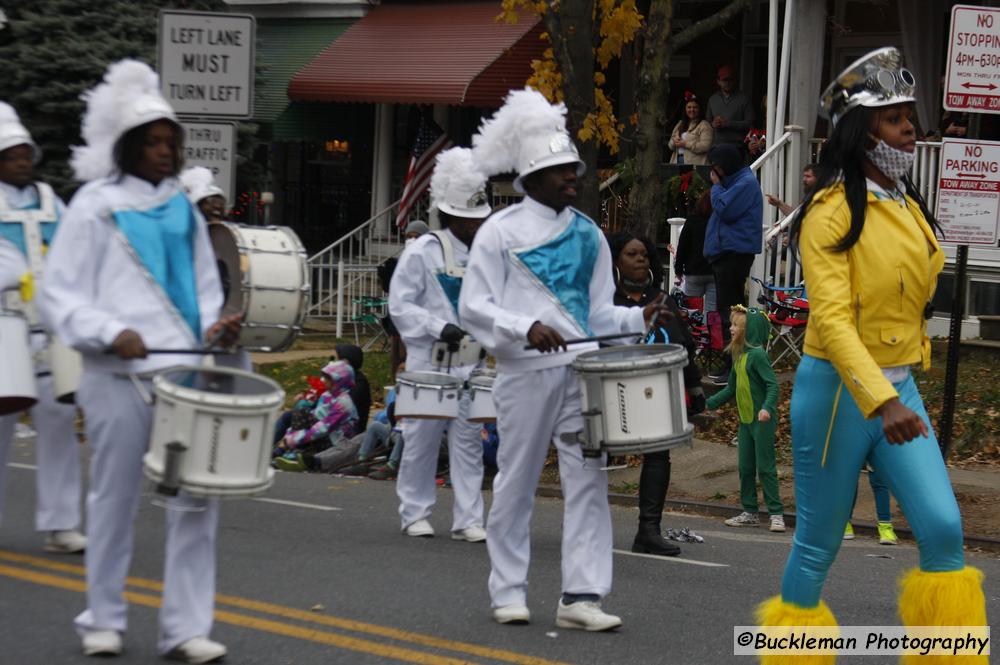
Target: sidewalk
<point x="708" y="472"/>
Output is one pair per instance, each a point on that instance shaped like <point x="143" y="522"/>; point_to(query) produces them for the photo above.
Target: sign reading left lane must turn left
<point x="206" y="63"/>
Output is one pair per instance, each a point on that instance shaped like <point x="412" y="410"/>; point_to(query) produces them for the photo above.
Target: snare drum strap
<point x="451" y="268"/>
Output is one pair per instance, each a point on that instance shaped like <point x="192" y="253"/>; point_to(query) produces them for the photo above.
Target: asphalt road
<point x="318" y="572"/>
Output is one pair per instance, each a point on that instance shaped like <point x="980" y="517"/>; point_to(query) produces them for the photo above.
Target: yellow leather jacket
<point x="866" y="305"/>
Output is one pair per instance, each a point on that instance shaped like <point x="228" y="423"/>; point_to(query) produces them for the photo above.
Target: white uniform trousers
<point x="415" y="484"/>
<point x="57" y="455"/>
<point x="534" y="408"/>
<point x="118" y="426"/>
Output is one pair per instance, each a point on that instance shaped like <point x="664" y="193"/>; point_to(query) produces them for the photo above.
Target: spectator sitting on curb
<point x="334" y="413"/>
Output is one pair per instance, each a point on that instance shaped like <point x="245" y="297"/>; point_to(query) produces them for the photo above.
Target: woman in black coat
<point x="638" y="274"/>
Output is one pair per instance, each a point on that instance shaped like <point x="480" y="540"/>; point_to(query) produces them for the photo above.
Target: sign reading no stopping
<point x="973" y="79"/>
<point x="206" y="63"/>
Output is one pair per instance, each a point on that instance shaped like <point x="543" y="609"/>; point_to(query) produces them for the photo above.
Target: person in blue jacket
<point x="734" y="234"/>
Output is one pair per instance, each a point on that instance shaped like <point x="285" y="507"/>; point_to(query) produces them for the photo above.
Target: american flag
<point x="430" y="140"/>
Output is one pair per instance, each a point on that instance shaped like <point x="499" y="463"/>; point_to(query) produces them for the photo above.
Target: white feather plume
<point x="196" y="179"/>
<point x="525" y="113"/>
<point x="125" y="81"/>
<point x="8" y="114"/>
<point x="456" y="177"/>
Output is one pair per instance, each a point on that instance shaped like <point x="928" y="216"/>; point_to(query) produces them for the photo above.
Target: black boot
<point x="653" y="481"/>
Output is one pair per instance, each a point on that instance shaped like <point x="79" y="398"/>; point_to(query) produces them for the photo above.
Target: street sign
<point x="968" y="205"/>
<point x="213" y="145"/>
<point x="206" y="63"/>
<point x="973" y="79"/>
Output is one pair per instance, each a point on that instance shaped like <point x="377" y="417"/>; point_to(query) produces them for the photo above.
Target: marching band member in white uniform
<point x="423" y="303"/>
<point x="199" y="183"/>
<point x="132" y="269"/>
<point x="29" y="214"/>
<point x="540" y="273"/>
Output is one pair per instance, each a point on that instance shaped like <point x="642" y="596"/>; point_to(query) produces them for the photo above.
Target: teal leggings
<point x="824" y="493"/>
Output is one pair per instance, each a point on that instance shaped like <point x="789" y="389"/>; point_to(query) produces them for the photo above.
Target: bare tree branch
<point x="688" y="35"/>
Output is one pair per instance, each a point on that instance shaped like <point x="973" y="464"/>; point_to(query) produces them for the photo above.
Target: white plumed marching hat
<point x="458" y="186"/>
<point x="128" y="97"/>
<point x="199" y="183"/>
<point x="527" y="134"/>
<point x="13" y="133"/>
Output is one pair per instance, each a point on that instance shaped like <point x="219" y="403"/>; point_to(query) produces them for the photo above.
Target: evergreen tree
<point x="53" y="50"/>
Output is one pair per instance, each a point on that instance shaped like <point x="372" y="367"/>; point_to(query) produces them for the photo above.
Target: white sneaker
<point x="743" y="519"/>
<point x="69" y="541"/>
<point x="472" y="534"/>
<point x="198" y="650"/>
<point x="515" y="614"/>
<point x="777" y="523"/>
<point x="586" y="615"/>
<point x="102" y="643"/>
<point x="420" y="528"/>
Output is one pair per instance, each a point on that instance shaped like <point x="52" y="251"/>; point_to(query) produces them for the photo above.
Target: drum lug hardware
<point x="170" y="484"/>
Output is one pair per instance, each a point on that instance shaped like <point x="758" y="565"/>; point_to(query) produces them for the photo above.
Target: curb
<point x="984" y="543"/>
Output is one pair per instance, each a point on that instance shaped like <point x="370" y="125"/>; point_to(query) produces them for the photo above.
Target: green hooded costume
<point x="753" y="383"/>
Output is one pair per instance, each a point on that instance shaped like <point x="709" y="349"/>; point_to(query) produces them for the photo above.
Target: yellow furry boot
<point x="776" y="612"/>
<point x="952" y="598"/>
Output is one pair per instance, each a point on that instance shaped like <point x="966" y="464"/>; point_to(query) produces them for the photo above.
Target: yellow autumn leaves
<point x="617" y="22"/>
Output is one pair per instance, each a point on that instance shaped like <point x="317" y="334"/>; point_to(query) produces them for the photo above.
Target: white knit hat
<point x="527" y="134"/>
<point x="458" y="187"/>
<point x="128" y="97"/>
<point x="199" y="183"/>
<point x="13" y="133"/>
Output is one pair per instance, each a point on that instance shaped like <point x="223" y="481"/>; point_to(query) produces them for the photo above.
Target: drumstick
<point x="595" y="338"/>
<point x="186" y="352"/>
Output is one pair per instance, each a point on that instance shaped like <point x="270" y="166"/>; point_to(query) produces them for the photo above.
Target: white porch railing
<point x="344" y="273"/>
<point x="778" y="173"/>
<point x="345" y="283"/>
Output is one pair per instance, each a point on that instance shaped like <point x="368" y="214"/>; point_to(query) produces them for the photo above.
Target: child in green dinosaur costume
<point x="755" y="387"/>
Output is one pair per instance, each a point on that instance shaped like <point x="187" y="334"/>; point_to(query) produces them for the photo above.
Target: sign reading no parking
<point x="969" y="192"/>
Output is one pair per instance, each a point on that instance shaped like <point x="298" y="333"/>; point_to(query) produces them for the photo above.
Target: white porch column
<point x="382" y="167"/>
<point x="807" y="76"/>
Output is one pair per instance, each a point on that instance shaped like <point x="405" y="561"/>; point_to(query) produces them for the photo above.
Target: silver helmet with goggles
<point x="876" y="79"/>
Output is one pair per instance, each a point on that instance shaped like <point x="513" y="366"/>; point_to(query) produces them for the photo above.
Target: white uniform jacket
<point x="422" y="298"/>
<point x="530" y="264"/>
<point x="96" y="286"/>
<point x="12" y="265"/>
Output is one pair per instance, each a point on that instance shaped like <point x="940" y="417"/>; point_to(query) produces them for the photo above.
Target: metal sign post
<point x="969" y="179"/>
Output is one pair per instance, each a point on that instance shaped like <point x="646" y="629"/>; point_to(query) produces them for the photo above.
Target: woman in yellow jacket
<point x="871" y="261"/>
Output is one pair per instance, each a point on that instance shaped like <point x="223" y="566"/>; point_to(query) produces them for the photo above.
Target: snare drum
<point x="481" y="406"/>
<point x="66" y="366"/>
<point x="212" y="431"/>
<point x="427" y="395"/>
<point x="633" y="399"/>
<point x="17" y="375"/>
<point x="264" y="273"/>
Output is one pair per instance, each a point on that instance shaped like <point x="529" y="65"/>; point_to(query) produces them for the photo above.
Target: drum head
<point x="430" y="379"/>
<point x="218" y="382"/>
<point x="231" y="266"/>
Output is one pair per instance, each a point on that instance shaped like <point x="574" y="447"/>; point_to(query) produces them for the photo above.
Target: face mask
<point x="409" y="241"/>
<point x="893" y="163"/>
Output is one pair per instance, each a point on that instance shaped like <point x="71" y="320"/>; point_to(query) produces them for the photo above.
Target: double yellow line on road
<point x="269" y="625"/>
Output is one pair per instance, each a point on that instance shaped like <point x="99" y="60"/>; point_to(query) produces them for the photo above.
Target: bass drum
<point x="265" y="278"/>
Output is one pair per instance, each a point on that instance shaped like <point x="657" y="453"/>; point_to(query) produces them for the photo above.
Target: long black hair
<point x="617" y="243"/>
<point x="842" y="158"/>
